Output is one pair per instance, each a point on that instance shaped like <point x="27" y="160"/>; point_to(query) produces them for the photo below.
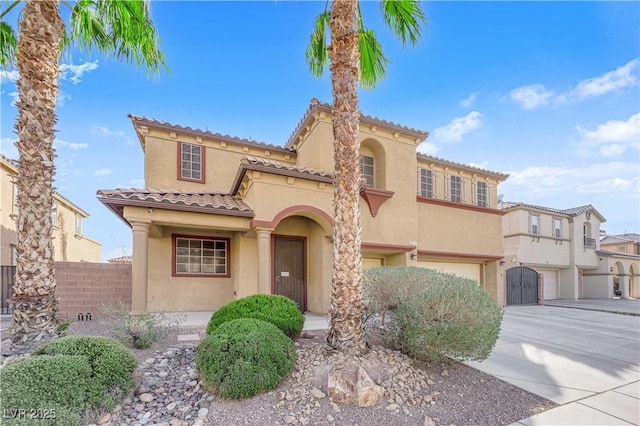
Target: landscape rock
<point x="349" y="383"/>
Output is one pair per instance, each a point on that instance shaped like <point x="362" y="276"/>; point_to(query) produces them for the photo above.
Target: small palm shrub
<point x="43" y="390"/>
<point x="111" y="364"/>
<point x="275" y="309"/>
<point x="244" y="357"/>
<point x="430" y="315"/>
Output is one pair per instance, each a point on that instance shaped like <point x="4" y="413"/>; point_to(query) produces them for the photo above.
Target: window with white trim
<point x="54" y="213"/>
<point x="534" y="224"/>
<point x="191" y="161"/>
<point x="426" y="183"/>
<point x="622" y="249"/>
<point x="482" y="194"/>
<point x="557" y="228"/>
<point x="368" y="170"/>
<point x="455" y="189"/>
<point x="201" y="256"/>
<point x="78" y="225"/>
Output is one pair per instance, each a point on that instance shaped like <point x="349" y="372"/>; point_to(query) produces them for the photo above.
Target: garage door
<point x="467" y="270"/>
<point x="550" y="279"/>
<point x="370" y="262"/>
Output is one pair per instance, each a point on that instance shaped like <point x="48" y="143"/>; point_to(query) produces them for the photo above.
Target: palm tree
<point x="124" y="28"/>
<point x="355" y="54"/>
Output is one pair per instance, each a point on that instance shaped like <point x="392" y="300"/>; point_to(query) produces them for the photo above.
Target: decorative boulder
<point x="349" y="383"/>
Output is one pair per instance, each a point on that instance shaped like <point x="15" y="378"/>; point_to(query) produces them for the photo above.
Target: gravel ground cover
<point x="169" y="392"/>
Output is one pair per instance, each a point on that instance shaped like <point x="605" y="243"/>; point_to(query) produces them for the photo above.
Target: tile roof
<point x="277" y="167"/>
<point x="499" y="175"/>
<point x="201" y="202"/>
<point x="617" y="254"/>
<point x="139" y="120"/>
<point x="619" y="238"/>
<point x="316" y="105"/>
<point x="121" y="259"/>
<point x="574" y="211"/>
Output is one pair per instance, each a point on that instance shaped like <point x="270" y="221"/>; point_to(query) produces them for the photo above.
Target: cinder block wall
<point x="84" y="287"/>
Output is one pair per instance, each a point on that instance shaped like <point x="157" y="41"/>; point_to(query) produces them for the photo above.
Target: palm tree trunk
<point x="35" y="308"/>
<point x="345" y="315"/>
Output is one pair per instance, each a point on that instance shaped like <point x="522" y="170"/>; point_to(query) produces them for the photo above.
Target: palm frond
<point x="316" y="53"/>
<point x="373" y="63"/>
<point x="124" y="28"/>
<point x="404" y="18"/>
<point x="8" y="43"/>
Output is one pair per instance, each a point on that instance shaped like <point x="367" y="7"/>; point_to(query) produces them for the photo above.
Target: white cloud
<point x="73" y="146"/>
<point x="103" y="172"/>
<point x="74" y="73"/>
<point x="62" y="98"/>
<point x="9" y="75"/>
<point x="533" y="96"/>
<point x="428" y="148"/>
<point x="460" y="126"/>
<point x="536" y="95"/>
<point x="136" y="183"/>
<point x="8" y="148"/>
<point x="620" y="78"/>
<point x="613" y="137"/>
<point x="103" y="130"/>
<point x="482" y="165"/>
<point x="616" y="178"/>
<point x="469" y="100"/>
<point x="15" y="97"/>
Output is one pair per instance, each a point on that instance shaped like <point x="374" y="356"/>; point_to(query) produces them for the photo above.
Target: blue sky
<point x="545" y="91"/>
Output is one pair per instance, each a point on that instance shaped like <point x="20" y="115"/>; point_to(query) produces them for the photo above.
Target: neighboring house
<point x="624" y="243"/>
<point x="223" y="217"/>
<point x="563" y="249"/>
<point x="622" y="257"/>
<point x="121" y="259"/>
<point x="70" y="243"/>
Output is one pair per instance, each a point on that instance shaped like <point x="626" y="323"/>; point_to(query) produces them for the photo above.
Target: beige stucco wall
<point x="7" y="220"/>
<point x="629" y="247"/>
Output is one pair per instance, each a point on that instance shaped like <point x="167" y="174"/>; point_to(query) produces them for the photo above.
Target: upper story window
<point x="622" y="249"/>
<point x="191" y="162"/>
<point x="54" y="213"/>
<point x="368" y="170"/>
<point x="196" y="256"/>
<point x="78" y="225"/>
<point x="534" y="224"/>
<point x="588" y="241"/>
<point x="456" y="189"/>
<point x="482" y="194"/>
<point x="426" y="183"/>
<point x="557" y="228"/>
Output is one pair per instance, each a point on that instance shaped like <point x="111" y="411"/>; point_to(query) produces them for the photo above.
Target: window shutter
<point x="447" y="187"/>
<point x="530" y="225"/>
<point x="433" y="183"/>
<point x="474" y="192"/>
<point x="489" y="195"/>
<point x="463" y="190"/>
<point x="419" y="181"/>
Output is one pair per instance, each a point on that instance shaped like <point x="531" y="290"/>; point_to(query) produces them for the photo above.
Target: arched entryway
<point x="634" y="281"/>
<point x="522" y="286"/>
<point x="619" y="280"/>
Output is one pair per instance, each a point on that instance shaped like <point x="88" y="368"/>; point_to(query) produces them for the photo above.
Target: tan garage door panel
<point x="550" y="284"/>
<point x="467" y="270"/>
<point x="369" y="262"/>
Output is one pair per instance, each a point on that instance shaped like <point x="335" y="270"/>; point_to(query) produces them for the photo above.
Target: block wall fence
<point x="83" y="288"/>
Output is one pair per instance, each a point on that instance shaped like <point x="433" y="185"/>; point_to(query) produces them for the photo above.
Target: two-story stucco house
<point x="562" y="247"/>
<point x="223" y="217"/>
<point x="69" y="242"/>
<point x="621" y="256"/>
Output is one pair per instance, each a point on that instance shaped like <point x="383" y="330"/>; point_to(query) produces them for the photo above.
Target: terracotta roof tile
<point x="317" y="105"/>
<point x="284" y="166"/>
<point x="462" y="165"/>
<point x="140" y="120"/>
<point x="620" y="238"/>
<point x="202" y="202"/>
<point x="121" y="259"/>
<point x="574" y="211"/>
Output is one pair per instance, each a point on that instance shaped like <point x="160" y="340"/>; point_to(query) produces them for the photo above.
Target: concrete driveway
<point x="587" y="361"/>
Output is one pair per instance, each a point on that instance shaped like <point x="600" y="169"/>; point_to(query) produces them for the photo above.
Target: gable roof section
<point x="13" y="165"/>
<point x="621" y="238"/>
<point x="498" y="175"/>
<point x="617" y="254"/>
<point x="316" y="106"/>
<point x="140" y="121"/>
<point x="278" y="168"/>
<point x="574" y="211"/>
<point x="199" y="202"/>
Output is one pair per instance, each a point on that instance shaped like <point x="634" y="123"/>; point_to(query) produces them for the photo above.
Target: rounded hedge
<point x="275" y="309"/>
<point x="111" y="363"/>
<point x="244" y="357"/>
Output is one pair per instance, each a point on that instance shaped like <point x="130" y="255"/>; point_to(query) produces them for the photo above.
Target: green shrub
<point x="111" y="363"/>
<point x="278" y="310"/>
<point x="43" y="390"/>
<point x="430" y="315"/>
<point x="244" y="357"/>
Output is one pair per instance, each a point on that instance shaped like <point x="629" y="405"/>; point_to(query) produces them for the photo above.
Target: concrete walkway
<point x="614" y="306"/>
<point x="586" y="360"/>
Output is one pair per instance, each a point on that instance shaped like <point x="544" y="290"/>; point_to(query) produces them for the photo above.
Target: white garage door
<point x="550" y="279"/>
<point x="370" y="262"/>
<point x="467" y="270"/>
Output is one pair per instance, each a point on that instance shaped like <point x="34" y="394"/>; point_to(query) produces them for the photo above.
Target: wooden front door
<point x="289" y="269"/>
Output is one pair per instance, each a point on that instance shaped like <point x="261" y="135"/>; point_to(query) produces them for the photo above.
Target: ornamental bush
<point x="275" y="309"/>
<point x="244" y="357"/>
<point x="111" y="363"/>
<point x="430" y="315"/>
<point x="44" y="390"/>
